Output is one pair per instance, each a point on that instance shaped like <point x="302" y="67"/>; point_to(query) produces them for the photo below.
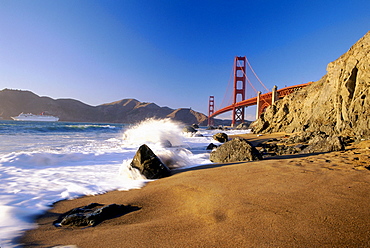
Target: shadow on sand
<point x="210" y="166"/>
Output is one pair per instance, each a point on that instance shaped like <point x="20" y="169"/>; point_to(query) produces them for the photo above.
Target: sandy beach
<point x="307" y="200"/>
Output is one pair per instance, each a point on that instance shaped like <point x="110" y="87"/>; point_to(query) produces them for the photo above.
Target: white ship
<point x="32" y="117"/>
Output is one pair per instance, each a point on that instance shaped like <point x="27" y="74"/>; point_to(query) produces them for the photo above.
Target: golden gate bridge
<point x="239" y="101"/>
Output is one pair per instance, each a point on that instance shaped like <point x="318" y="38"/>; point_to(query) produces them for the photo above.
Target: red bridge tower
<point x="211" y="110"/>
<point x="239" y="89"/>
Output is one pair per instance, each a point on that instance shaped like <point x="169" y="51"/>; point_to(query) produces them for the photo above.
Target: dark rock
<point x="211" y="128"/>
<point x="300" y="147"/>
<point x="189" y="129"/>
<point x="221" y="137"/>
<point x="90" y="215"/>
<point x="317" y="137"/>
<point x="329" y="144"/>
<point x="299" y="138"/>
<point x="149" y="164"/>
<point x="211" y="146"/>
<point x="305" y="142"/>
<point x="243" y="126"/>
<point x="237" y="149"/>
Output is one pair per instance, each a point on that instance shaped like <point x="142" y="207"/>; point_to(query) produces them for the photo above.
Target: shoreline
<point x="301" y="200"/>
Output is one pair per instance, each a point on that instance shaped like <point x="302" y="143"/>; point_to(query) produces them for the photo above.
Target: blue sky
<point x="173" y="53"/>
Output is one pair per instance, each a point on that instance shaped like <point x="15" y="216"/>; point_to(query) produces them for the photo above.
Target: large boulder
<point x="220" y="137"/>
<point x="337" y="104"/>
<point x="149" y="164"/>
<point x="237" y="149"/>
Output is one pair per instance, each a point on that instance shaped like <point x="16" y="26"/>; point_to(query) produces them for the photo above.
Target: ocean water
<point x="41" y="163"/>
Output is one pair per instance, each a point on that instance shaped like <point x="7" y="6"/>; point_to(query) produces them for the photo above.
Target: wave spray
<point x="162" y="132"/>
<point x="164" y="137"/>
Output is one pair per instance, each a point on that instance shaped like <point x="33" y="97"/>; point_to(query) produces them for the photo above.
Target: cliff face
<point x="339" y="103"/>
<point x="13" y="102"/>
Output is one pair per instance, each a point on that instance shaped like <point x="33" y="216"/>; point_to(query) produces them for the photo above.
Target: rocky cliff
<point x="13" y="102"/>
<point x="338" y="103"/>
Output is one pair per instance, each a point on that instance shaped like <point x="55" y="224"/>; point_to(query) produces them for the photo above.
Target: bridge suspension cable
<point x="251" y="84"/>
<point x="227" y="96"/>
<point x="227" y="99"/>
<point x="261" y="100"/>
<point x="238" y="77"/>
<point x="254" y="73"/>
<point x="259" y="80"/>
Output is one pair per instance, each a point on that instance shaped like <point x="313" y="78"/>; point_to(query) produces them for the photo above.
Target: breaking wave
<point x="163" y="132"/>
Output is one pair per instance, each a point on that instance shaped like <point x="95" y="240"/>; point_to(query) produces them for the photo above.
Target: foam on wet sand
<point x="310" y="200"/>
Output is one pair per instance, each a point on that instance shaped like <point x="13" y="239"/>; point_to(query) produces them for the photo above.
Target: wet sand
<point x="310" y="200"/>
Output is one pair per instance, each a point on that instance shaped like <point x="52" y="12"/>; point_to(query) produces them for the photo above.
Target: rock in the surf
<point x="189" y="129"/>
<point x="149" y="164"/>
<point x="237" y="149"/>
<point x="211" y="146"/>
<point x="90" y="215"/>
<point x="220" y="137"/>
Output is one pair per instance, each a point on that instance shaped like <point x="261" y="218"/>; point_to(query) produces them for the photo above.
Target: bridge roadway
<point x="265" y="100"/>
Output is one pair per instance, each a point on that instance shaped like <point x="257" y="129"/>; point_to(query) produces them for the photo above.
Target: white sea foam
<point x="63" y="162"/>
<point x="157" y="132"/>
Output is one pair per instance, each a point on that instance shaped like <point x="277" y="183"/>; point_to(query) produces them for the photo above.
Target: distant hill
<point x="14" y="102"/>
